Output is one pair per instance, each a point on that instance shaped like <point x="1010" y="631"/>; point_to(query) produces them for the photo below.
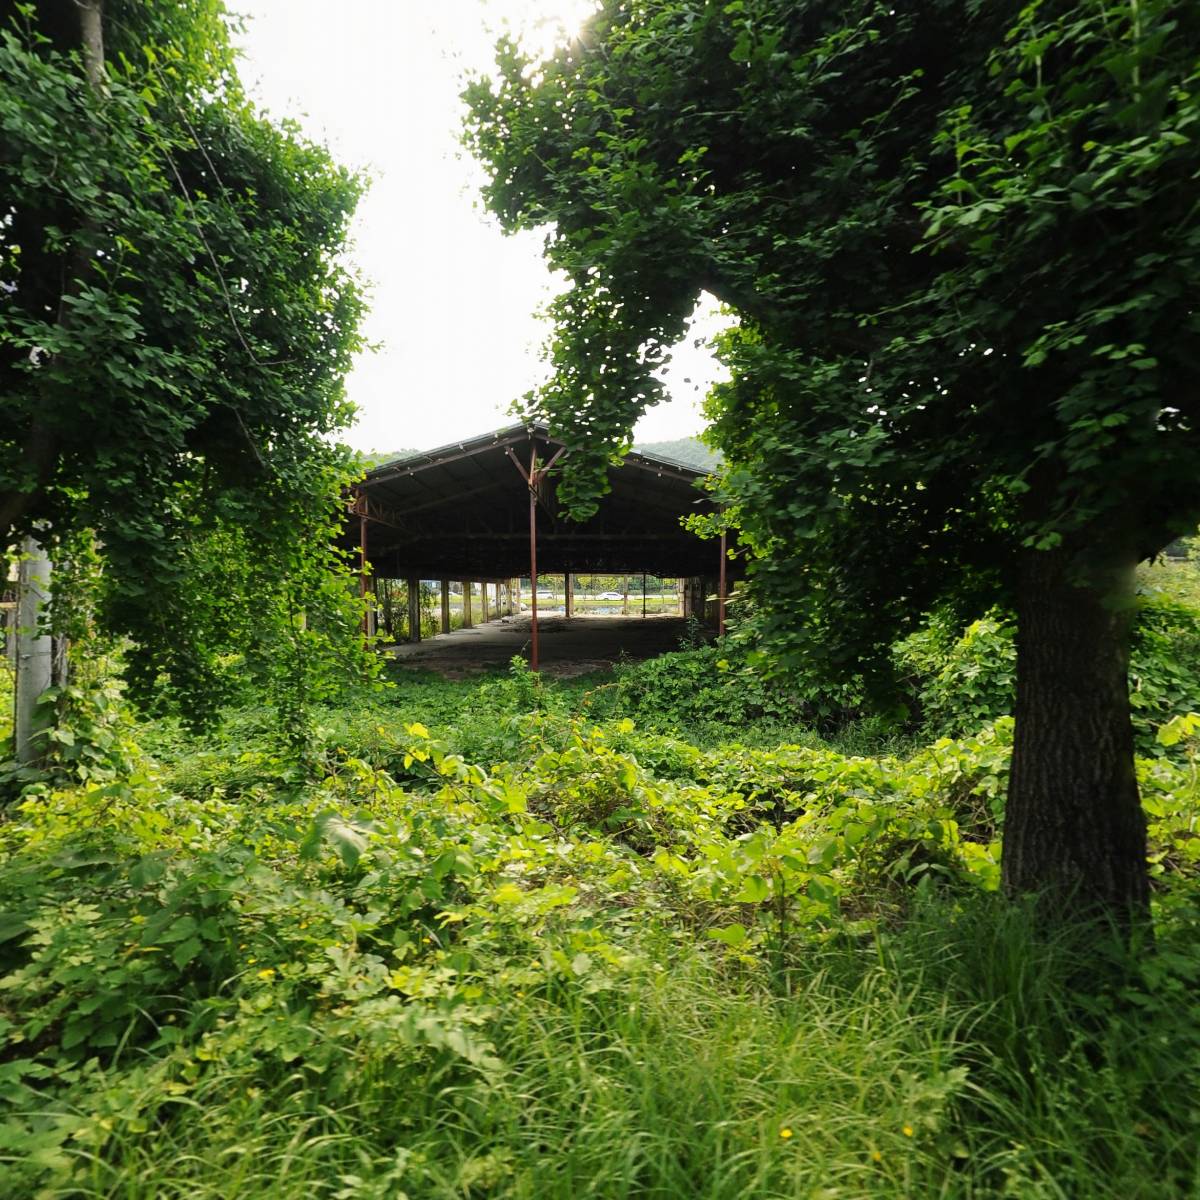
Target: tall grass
<point x="963" y="1056"/>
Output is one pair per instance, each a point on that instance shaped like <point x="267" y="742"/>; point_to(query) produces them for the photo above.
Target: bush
<point x="707" y="691"/>
<point x="960" y="683"/>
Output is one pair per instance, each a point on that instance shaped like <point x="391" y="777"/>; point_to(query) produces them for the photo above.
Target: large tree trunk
<point x="1074" y="829"/>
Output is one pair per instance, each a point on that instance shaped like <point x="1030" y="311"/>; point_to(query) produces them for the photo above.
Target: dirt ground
<point x="566" y="647"/>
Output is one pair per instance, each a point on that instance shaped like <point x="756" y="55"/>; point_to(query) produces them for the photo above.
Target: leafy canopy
<point x="961" y="239"/>
<point x="175" y="323"/>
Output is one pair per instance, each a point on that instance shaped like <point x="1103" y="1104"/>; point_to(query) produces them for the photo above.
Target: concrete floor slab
<point x="566" y="647"/>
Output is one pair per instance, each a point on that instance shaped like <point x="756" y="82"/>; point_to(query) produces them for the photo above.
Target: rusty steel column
<point x="533" y="620"/>
<point x="721" y="591"/>
<point x="414" y="608"/>
<point x="445" y="605"/>
<point x="362" y="567"/>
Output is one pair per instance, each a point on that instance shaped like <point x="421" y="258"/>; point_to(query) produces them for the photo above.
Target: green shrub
<point x="959" y="684"/>
<point x="713" y="688"/>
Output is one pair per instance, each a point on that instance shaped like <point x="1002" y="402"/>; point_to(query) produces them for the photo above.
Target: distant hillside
<point x="689" y="450"/>
<point x="376" y="458"/>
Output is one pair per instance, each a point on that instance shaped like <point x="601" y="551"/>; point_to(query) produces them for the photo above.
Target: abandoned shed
<point x="485" y="510"/>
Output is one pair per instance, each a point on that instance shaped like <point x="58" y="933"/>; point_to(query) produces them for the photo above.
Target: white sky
<point x="453" y="300"/>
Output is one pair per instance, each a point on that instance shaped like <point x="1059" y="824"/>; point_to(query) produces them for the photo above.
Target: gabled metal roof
<point x="462" y="511"/>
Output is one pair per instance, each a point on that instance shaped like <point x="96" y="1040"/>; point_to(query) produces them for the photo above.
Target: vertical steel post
<point x="445" y="606"/>
<point x="721" y="591"/>
<point x="414" y="609"/>
<point x="643" y="594"/>
<point x="362" y="565"/>
<point x="533" y="620"/>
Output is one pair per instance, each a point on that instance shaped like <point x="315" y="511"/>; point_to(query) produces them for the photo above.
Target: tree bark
<point x="91" y="41"/>
<point x="1074" y="829"/>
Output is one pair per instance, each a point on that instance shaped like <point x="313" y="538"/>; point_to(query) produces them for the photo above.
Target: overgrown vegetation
<point x="178" y="317"/>
<point x="523" y="939"/>
<point x="721" y="925"/>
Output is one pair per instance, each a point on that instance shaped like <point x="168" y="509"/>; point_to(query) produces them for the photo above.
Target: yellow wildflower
<point x="907" y="1131"/>
<point x="785" y="1133"/>
<point x="267" y="973"/>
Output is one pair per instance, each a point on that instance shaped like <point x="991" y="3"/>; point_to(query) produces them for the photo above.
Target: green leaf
<point x="186" y="951"/>
<point x="731" y="935"/>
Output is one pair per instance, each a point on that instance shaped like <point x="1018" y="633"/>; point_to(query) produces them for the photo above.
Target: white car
<point x="610" y="596"/>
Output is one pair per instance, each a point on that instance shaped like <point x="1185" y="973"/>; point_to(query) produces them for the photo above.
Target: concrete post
<point x="35" y="651"/>
<point x="10" y="636"/>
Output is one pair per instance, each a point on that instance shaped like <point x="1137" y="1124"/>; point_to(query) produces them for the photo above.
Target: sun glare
<point x="541" y="25"/>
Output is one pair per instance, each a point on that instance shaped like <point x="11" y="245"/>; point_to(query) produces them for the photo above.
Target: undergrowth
<point x="515" y="939"/>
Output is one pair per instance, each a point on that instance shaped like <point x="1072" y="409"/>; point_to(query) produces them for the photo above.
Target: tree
<point x="962" y="240"/>
<point x="175" y="324"/>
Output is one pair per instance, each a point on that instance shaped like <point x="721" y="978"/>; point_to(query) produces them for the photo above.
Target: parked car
<point x="610" y="596"/>
<point x="542" y="594"/>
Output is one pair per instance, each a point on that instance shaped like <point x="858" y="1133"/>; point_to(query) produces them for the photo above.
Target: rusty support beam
<point x="414" y="609"/>
<point x="402" y="514"/>
<point x="533" y="503"/>
<point x="468" y="617"/>
<point x="721" y="593"/>
<point x="363" y="506"/>
<point x="445" y="606"/>
<point x="362" y="572"/>
<point x="405" y="469"/>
